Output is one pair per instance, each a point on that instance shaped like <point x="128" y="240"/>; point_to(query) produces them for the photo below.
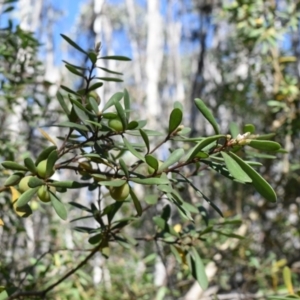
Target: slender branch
<point x="43" y="293"/>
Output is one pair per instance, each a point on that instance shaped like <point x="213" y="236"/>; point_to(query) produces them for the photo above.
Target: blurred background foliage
<point x="241" y="57"/>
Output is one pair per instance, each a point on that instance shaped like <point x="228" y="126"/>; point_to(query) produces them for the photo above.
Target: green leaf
<point x="80" y="206"/>
<point x="234" y="168"/>
<point x="11" y="165"/>
<point x="73" y="44"/>
<point x="219" y="168"/>
<point x="74" y="66"/>
<point x="80" y="113"/>
<point x="207" y="114"/>
<point x="72" y="125"/>
<point x="95" y="86"/>
<point x="113" y="79"/>
<point x="152" y="161"/>
<point x="62" y="103"/>
<point x="116" y="182"/>
<point x="145" y="138"/>
<point x="264" y="145"/>
<point x="202" y="144"/>
<point x="136" y="203"/>
<point x="197" y="268"/>
<point x="151" y="199"/>
<point x="159" y="222"/>
<point x="35" y="182"/>
<point x="44" y="154"/>
<point x="111" y="210"/>
<point x="116" y="57"/>
<point x="58" y="206"/>
<point x="132" y="125"/>
<point x="95" y="239"/>
<point x="30" y="165"/>
<point x="113" y="99"/>
<point x="265" y="136"/>
<point x="68" y="90"/>
<point x="177" y="104"/>
<point x="26" y="197"/>
<point x="234" y="129"/>
<point x="121" y="114"/>
<point x="69" y="184"/>
<point x="166" y="212"/>
<point x="132" y="150"/>
<point x="249" y="128"/>
<point x="175" y="119"/>
<point x="51" y="160"/>
<point x="94" y="105"/>
<point x="287" y="278"/>
<point x="172" y="159"/>
<point x="24" y="211"/>
<point x="110" y="71"/>
<point x="92" y="56"/>
<point x="150" y="181"/>
<point x="124" y="167"/>
<point x="260" y="184"/>
<point x="14" y="179"/>
<point x="127" y="104"/>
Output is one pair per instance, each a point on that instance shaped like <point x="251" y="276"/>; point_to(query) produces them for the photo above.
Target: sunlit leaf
<point x="116" y="182"/>
<point x="14" y="179"/>
<point x="172" y="159"/>
<point x="150" y="181"/>
<point x="249" y="128"/>
<point x="234" y="168"/>
<point x="11" y="165"/>
<point x="132" y="150"/>
<point x="58" y="206"/>
<point x="127" y="104"/>
<point x="207" y="114"/>
<point x="287" y="278"/>
<point x="121" y="113"/>
<point x="260" y="184"/>
<point x="44" y="154"/>
<point x="23" y="211"/>
<point x="113" y="99"/>
<point x="264" y="145"/>
<point x="152" y="161"/>
<point x="47" y="136"/>
<point x="197" y="268"/>
<point x="69" y="184"/>
<point x="35" y="182"/>
<point x="175" y="119"/>
<point x="202" y="144"/>
<point x="26" y="197"/>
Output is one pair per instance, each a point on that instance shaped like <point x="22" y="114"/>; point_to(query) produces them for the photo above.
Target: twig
<point x="43" y="293"/>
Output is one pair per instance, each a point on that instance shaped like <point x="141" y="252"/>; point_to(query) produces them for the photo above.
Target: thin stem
<point x="43" y="293"/>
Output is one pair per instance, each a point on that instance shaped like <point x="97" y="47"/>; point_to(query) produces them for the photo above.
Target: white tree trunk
<point x="155" y="43"/>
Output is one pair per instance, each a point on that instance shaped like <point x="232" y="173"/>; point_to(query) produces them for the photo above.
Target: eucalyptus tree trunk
<point x="174" y="74"/>
<point x="134" y="41"/>
<point x="155" y="44"/>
